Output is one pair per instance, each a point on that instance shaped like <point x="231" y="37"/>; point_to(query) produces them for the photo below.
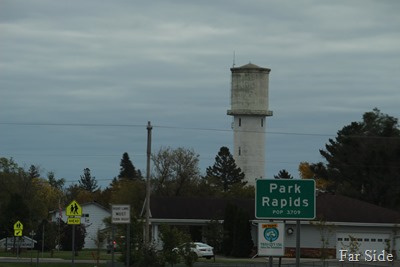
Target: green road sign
<point x="289" y="199"/>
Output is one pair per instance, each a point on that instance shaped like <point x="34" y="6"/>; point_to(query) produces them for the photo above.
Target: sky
<point x="80" y="79"/>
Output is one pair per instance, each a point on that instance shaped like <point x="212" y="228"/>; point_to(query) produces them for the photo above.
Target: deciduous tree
<point x="176" y="171"/>
<point x="306" y="172"/>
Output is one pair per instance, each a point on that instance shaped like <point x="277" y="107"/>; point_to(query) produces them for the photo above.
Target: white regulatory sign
<point x="120" y="214"/>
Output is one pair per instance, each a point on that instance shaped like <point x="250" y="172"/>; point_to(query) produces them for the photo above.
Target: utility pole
<point x="148" y="186"/>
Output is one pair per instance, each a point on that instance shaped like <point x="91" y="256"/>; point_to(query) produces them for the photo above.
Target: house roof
<point x="339" y="208"/>
<point x="329" y="207"/>
<point x="195" y="207"/>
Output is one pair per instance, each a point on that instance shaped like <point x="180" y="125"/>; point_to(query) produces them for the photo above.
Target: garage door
<point x="363" y="241"/>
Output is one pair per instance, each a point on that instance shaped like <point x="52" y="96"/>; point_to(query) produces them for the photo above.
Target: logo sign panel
<point x="285" y="199"/>
<point x="271" y="239"/>
<point x="120" y="214"/>
<point x="74" y="220"/>
<point x="73" y="209"/>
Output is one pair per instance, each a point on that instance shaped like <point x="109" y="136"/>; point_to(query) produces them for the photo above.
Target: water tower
<point x="249" y="108"/>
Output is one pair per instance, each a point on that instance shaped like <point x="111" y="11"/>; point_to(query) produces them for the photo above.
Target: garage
<point x="360" y="242"/>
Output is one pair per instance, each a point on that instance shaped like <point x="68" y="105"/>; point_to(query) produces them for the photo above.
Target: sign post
<point x="74" y="212"/>
<point x="121" y="214"/>
<point x="284" y="199"/>
<point x="18" y="227"/>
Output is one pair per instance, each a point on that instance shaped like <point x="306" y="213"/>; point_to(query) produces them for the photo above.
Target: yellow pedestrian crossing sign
<point x="17" y="232"/>
<point x="73" y="209"/>
<point x="18" y="226"/>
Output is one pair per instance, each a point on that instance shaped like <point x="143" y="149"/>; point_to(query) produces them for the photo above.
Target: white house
<point x="339" y="221"/>
<point x="93" y="215"/>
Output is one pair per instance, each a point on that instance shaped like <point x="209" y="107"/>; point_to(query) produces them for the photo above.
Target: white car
<point x="202" y="250"/>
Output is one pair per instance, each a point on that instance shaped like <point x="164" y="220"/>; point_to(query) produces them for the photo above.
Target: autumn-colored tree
<point x="306" y="172"/>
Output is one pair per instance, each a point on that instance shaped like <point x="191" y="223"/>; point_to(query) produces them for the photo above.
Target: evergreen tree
<point x="87" y="182"/>
<point x="16" y="209"/>
<point x="51" y="235"/>
<point x="66" y="240"/>
<point x="237" y="239"/>
<point x="363" y="160"/>
<point x="224" y="173"/>
<point x="127" y="170"/>
<point x="242" y="242"/>
<point x="228" y="226"/>
<point x="33" y="172"/>
<point x="54" y="182"/>
<point x="283" y="174"/>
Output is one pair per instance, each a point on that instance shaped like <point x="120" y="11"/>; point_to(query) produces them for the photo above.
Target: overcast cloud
<point x="80" y="79"/>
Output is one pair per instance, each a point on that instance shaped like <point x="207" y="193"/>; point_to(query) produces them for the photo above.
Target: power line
<point x="184" y="128"/>
<point x="70" y="124"/>
<point x="155" y="126"/>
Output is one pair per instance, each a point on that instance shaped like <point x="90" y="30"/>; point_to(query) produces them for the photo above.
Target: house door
<point x="361" y="242"/>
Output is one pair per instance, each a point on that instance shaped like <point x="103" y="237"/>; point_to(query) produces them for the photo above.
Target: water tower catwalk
<point x="249" y="107"/>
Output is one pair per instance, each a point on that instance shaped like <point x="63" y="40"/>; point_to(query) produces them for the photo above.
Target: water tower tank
<point x="249" y="91"/>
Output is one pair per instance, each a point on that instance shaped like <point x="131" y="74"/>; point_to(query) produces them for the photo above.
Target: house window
<point x="262" y="122"/>
<point x="239" y="151"/>
<point x="85" y="217"/>
<point x="240" y="122"/>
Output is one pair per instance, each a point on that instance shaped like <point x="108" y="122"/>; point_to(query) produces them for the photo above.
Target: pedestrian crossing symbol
<point x="74" y="209"/>
<point x="18" y="226"/>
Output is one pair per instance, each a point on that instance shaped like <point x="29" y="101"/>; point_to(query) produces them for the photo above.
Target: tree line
<point x="27" y="196"/>
<point x="362" y="161"/>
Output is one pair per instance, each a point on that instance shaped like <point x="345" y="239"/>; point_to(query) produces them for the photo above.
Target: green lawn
<point x="82" y="255"/>
<point x="48" y="264"/>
